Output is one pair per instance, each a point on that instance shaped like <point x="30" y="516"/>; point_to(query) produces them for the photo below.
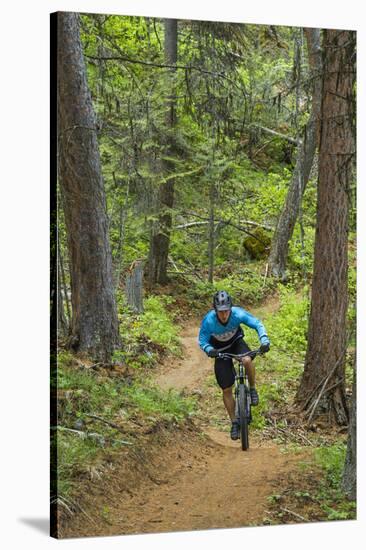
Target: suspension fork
<point x="239" y="379"/>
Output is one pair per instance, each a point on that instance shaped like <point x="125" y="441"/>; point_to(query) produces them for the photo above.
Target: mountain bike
<point x="242" y="395"/>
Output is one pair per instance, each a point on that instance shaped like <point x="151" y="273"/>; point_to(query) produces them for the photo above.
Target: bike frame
<point x="241" y="378"/>
<point x="241" y="381"/>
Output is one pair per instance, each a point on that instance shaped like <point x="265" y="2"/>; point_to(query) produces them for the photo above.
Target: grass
<point x="314" y="492"/>
<point x="82" y="442"/>
<point x="127" y="403"/>
<point x="149" y="335"/>
<point x="330" y="496"/>
<point x="244" y="285"/>
<point x="169" y="405"/>
<point x="270" y="394"/>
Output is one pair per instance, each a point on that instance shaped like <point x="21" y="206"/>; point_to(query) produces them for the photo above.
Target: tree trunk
<point x="211" y="234"/>
<point x="62" y="324"/>
<point x="349" y="481"/>
<point x="322" y="384"/>
<point x="62" y="283"/>
<point x="305" y="155"/>
<point x="134" y="286"/>
<point x="121" y="237"/>
<point x="160" y="238"/>
<point x="94" y="316"/>
<point x="53" y="279"/>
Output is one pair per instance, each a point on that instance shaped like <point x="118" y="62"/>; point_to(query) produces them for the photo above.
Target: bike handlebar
<point x="252" y="353"/>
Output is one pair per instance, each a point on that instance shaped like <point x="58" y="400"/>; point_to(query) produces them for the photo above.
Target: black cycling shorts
<point x="224" y="370"/>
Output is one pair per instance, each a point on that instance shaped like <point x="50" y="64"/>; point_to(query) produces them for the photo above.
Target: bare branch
<point x="225" y="222"/>
<point x="294" y="514"/>
<point x="163" y="66"/>
<point x="278" y="134"/>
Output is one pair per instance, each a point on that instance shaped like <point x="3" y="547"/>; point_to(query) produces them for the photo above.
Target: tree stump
<point x="134" y="286"/>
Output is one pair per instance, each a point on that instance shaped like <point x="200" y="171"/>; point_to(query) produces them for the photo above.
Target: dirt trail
<point x="201" y="479"/>
<point x="188" y="372"/>
<point x="227" y="487"/>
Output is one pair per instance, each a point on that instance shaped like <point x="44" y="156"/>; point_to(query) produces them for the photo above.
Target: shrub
<point x="156" y="323"/>
<point x="148" y="335"/>
<point x="331" y="459"/>
<point x="244" y="285"/>
<point x="81" y="441"/>
<point x="288" y="327"/>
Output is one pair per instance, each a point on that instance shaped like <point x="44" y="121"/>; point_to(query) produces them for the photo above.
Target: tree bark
<point x="160" y="237"/>
<point x="62" y="324"/>
<point x="211" y="233"/>
<point x="94" y="327"/>
<point x="53" y="279"/>
<point x="62" y="283"/>
<point x="305" y="156"/>
<point x="121" y="237"/>
<point x="134" y="286"/>
<point x="322" y="384"/>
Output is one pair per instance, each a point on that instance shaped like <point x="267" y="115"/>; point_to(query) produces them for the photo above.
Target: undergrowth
<point x="98" y="414"/>
<point x="314" y="493"/>
<point x="246" y="284"/>
<point x="279" y="370"/>
<point x="146" y="337"/>
<point x="330" y="495"/>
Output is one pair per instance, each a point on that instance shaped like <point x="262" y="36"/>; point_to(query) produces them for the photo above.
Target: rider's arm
<point x="252" y="322"/>
<point x="204" y="337"/>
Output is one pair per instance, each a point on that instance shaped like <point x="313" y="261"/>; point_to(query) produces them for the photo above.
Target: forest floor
<point x="194" y="476"/>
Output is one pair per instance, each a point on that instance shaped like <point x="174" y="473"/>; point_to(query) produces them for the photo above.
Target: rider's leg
<point x="250" y="370"/>
<point x="229" y="401"/>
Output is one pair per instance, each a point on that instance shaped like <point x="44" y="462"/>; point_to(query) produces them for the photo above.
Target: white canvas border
<point x="24" y="272"/>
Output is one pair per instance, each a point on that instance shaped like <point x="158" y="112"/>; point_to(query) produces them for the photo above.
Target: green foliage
<point x="270" y="395"/>
<point x="148" y="334"/>
<point x="83" y="394"/>
<point x="156" y="323"/>
<point x="152" y="401"/>
<point x="319" y="494"/>
<point x="244" y="285"/>
<point x="332" y="499"/>
<point x="75" y="457"/>
<point x="301" y="249"/>
<point x="216" y="143"/>
<point x="87" y="392"/>
<point x="274" y="498"/>
<point x="288" y="327"/>
<point x="344" y="510"/>
<point x="268" y="193"/>
<point x="331" y="459"/>
<point x="130" y="100"/>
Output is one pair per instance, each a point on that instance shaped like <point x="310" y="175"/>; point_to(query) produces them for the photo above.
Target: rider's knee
<point x="247" y="361"/>
<point x="227" y="391"/>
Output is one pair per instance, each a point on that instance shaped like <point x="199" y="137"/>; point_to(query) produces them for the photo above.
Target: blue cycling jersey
<point x="211" y="328"/>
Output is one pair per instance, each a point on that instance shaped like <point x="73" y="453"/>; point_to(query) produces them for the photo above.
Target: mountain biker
<point x="221" y="331"/>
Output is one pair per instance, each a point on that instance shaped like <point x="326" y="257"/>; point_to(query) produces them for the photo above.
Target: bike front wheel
<point x="244" y="432"/>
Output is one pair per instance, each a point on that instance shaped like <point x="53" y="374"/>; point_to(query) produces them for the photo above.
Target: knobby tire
<point x="244" y="432"/>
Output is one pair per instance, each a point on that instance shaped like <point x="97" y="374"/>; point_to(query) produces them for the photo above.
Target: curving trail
<point x="199" y="478"/>
<point x="224" y="487"/>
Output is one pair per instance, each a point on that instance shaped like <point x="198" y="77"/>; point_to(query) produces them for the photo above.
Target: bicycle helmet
<point x="222" y="301"/>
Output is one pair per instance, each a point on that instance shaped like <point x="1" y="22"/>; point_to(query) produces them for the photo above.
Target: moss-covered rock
<point x="257" y="247"/>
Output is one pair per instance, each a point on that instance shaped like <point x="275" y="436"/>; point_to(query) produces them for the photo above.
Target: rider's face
<point x="223" y="315"/>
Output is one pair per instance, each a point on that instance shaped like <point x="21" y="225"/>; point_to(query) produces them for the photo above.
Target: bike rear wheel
<point x="244" y="432"/>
